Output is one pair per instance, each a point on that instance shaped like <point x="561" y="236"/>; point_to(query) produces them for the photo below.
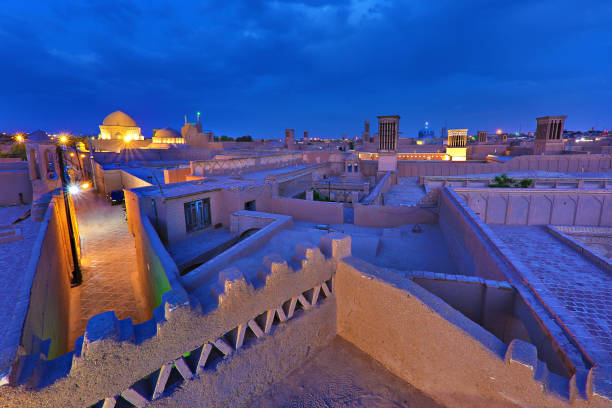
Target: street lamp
<point x="77" y="276"/>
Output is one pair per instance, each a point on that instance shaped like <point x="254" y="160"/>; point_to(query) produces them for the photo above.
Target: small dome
<point x="118" y="118"/>
<point x="38" y="136"/>
<point x="167" y="133"/>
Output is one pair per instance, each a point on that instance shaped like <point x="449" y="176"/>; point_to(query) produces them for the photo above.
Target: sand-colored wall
<point x="157" y="272"/>
<point x="310" y="211"/>
<point x="435" y="348"/>
<point x="540" y="206"/>
<point x="472" y="253"/>
<point x="49" y="300"/>
<point x="380" y="216"/>
<point x="97" y="367"/>
<point x="176" y="175"/>
<point x="240" y="165"/>
<point x="559" y="163"/>
<point x="15" y="180"/>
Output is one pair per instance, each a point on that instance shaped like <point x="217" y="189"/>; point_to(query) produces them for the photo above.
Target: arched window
<point x="50" y="165"/>
<point x="34" y="164"/>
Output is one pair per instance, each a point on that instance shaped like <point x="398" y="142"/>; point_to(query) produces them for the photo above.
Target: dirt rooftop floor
<point x="342" y="376"/>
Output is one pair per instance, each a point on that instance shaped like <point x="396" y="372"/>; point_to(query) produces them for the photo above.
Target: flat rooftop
<point x="341" y="375"/>
<point x="397" y="248"/>
<point x="14" y="280"/>
<point x="199" y="186"/>
<point x="533" y="174"/>
<point x="261" y="175"/>
<point x="576" y="289"/>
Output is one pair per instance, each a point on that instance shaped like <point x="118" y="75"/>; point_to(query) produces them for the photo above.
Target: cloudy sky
<point x="257" y="67"/>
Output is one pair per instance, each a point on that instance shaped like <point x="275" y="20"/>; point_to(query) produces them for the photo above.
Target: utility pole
<point x="77" y="277"/>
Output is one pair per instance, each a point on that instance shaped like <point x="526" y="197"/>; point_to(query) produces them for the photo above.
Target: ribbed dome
<point x="118" y="118"/>
<point x="167" y="133"/>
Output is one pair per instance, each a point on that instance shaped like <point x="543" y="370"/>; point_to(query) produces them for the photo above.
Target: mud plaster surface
<point x="341" y="375"/>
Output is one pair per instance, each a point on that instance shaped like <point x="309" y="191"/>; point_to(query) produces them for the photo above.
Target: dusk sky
<point x="258" y="67"/>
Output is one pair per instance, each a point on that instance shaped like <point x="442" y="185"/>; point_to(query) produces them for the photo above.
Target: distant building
<point x="167" y="135"/>
<point x="195" y="137"/>
<point x="482" y="136"/>
<point x="289" y="138"/>
<point x="457" y="137"/>
<point x="388" y="141"/>
<point x="426" y="132"/>
<point x="366" y="132"/>
<point x="456" y="145"/>
<point x="549" y="135"/>
<point x="119" y="126"/>
<point x="388" y="133"/>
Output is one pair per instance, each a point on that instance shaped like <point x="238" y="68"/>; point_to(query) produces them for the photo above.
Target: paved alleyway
<point x="583" y="290"/>
<point x="108" y="257"/>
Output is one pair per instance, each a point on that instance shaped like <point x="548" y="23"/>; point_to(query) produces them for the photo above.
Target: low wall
<point x="435" y="348"/>
<point x="381" y="216"/>
<point x="466" y="243"/>
<point x="220" y="349"/>
<point x="591" y="183"/>
<point x="176" y="175"/>
<point x="15" y="185"/>
<point x="383" y="185"/>
<point x="240" y="165"/>
<point x="495" y="306"/>
<point x="310" y="211"/>
<point x="242" y="221"/>
<point x="516" y="206"/>
<point x="468" y="239"/>
<point x="49" y="296"/>
<point x="157" y="272"/>
<point x="243" y="248"/>
<point x="558" y="163"/>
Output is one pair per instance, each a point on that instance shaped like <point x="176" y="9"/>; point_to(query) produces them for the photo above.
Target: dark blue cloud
<point x="254" y="66"/>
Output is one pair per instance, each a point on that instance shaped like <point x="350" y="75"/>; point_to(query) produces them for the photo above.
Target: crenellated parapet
<point x="117" y="360"/>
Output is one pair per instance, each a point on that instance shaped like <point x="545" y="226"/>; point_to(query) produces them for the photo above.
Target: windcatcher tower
<point x="388" y="141"/>
<point x="549" y="135"/>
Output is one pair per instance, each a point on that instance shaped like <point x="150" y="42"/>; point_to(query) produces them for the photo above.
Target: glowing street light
<point x="85" y="186"/>
<point x="499" y="131"/>
<point x="63" y="139"/>
<point x="19" y="138"/>
<point x="73" y="189"/>
<point x="127" y="138"/>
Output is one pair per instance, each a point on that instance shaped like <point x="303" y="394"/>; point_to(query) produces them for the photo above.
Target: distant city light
<point x="71" y="154"/>
<point x="85" y="186"/>
<point x="82" y="155"/>
<point x="73" y="189"/>
<point x="499" y="131"/>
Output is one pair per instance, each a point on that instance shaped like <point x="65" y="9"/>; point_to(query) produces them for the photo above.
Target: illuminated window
<point x="197" y="214"/>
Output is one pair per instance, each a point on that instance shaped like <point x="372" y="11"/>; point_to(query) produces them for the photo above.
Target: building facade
<point x="119" y="126"/>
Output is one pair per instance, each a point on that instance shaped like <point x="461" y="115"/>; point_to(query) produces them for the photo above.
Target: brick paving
<point x="108" y="259"/>
<point x="582" y="290"/>
<point x="598" y="239"/>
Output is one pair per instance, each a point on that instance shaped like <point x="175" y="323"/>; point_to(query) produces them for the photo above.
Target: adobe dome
<point x="118" y="118"/>
<point x="167" y="133"/>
